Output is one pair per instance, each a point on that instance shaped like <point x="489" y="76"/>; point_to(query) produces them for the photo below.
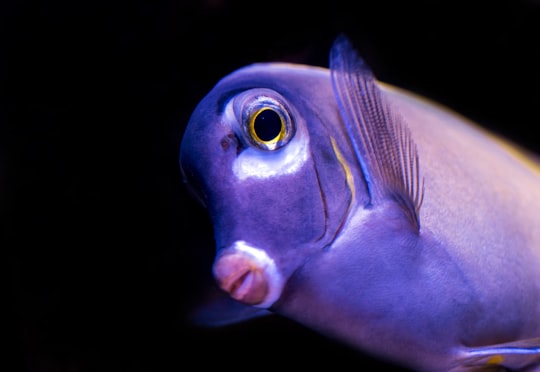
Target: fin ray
<point x="383" y="144"/>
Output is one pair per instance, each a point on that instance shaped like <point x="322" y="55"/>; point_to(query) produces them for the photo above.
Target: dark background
<point x="103" y="250"/>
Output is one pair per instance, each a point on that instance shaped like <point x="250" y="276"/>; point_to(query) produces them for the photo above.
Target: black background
<point x="103" y="250"/>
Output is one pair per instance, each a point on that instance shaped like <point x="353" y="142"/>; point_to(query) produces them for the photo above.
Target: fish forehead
<point x="287" y="79"/>
<point x="290" y="80"/>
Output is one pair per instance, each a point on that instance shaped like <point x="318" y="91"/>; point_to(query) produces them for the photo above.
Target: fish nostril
<point x="228" y="141"/>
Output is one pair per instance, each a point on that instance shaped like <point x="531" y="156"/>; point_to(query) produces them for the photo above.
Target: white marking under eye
<point x="265" y="164"/>
<point x="257" y="163"/>
<point x="275" y="279"/>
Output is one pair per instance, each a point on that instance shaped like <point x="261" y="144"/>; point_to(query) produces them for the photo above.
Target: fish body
<point x="370" y="214"/>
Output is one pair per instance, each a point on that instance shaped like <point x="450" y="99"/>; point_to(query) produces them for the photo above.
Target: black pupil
<point x="267" y="125"/>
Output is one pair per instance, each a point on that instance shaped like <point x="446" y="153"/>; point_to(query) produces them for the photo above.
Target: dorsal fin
<point x="382" y="142"/>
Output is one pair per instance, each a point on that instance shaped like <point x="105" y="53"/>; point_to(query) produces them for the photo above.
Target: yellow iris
<point x="267" y="131"/>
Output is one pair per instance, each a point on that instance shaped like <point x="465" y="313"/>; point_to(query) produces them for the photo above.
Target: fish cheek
<point x="282" y="213"/>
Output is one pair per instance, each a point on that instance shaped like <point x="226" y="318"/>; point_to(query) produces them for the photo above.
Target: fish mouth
<point x="241" y="278"/>
<point x="248" y="275"/>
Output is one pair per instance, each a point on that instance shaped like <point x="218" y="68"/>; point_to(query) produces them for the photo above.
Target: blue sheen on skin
<point x="385" y="221"/>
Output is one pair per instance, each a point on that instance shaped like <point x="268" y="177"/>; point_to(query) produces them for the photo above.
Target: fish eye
<point x="267" y="123"/>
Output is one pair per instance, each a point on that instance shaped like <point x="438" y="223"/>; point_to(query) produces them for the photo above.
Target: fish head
<point x="266" y="153"/>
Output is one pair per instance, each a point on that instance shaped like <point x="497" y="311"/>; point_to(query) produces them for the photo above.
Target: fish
<point x="369" y="214"/>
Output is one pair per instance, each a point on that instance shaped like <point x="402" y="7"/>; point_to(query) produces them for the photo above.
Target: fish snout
<point x="248" y="275"/>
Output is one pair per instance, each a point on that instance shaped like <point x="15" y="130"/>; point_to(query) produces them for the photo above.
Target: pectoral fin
<point x="523" y="355"/>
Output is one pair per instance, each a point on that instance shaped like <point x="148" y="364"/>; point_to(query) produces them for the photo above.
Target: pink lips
<point x="242" y="278"/>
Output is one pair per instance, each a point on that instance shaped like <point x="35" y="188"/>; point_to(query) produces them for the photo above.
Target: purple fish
<point x="370" y="215"/>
